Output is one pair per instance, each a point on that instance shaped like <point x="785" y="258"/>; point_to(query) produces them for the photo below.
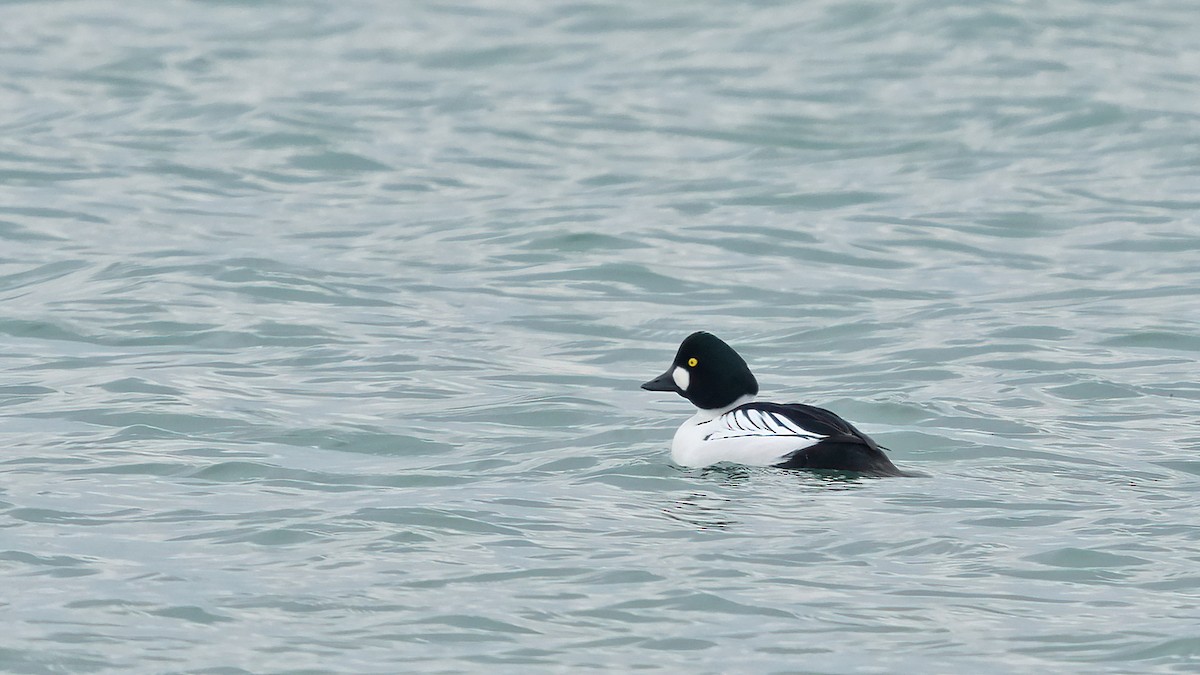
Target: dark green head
<point x="707" y="372"/>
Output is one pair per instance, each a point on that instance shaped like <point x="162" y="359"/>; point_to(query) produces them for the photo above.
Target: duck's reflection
<point x="714" y="510"/>
<point x="702" y="510"/>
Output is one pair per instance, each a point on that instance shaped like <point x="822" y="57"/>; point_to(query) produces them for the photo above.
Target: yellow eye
<point x="692" y="362"/>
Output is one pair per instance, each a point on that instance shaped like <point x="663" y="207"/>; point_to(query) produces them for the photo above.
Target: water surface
<point x="323" y="325"/>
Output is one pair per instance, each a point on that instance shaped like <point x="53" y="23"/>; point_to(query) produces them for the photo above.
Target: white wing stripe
<point x="781" y="424"/>
<point x="758" y="423"/>
<point x="793" y="427"/>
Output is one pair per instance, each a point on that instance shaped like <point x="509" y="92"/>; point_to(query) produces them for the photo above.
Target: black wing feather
<point x="818" y="421"/>
<point x="843" y="448"/>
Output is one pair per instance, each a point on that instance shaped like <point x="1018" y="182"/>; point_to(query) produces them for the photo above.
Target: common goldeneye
<point x="732" y="427"/>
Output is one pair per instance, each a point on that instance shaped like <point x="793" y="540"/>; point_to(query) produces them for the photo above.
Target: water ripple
<point x="324" y="328"/>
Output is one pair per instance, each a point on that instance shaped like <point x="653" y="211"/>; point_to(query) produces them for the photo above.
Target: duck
<point x="731" y="426"/>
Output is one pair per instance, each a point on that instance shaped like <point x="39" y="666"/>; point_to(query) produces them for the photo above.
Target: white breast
<point x="750" y="437"/>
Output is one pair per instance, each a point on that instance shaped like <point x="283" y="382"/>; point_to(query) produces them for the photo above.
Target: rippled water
<point x="323" y="324"/>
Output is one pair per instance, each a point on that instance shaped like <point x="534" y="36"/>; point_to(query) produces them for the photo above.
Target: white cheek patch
<point x="682" y="378"/>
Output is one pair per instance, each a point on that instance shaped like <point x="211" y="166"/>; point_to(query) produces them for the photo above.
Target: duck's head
<point x="707" y="372"/>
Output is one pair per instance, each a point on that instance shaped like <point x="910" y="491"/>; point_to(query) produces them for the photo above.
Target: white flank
<point x="750" y="437"/>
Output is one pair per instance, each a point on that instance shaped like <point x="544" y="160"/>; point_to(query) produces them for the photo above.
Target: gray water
<point x="323" y="324"/>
